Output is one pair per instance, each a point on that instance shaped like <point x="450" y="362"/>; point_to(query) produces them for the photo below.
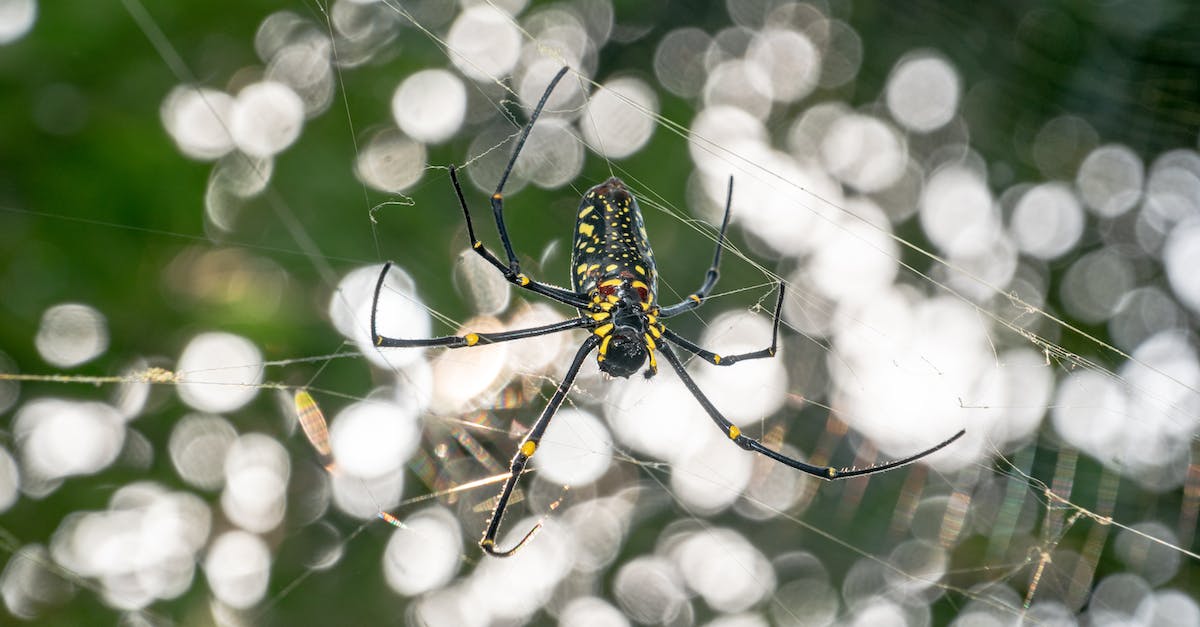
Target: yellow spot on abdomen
<point x="610" y="267"/>
<point x="586" y="211"/>
<point x="640" y="270"/>
<point x="586" y="228"/>
<point x="580" y="268"/>
<point x="529" y="448"/>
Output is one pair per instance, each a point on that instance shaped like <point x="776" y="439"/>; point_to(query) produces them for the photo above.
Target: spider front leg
<point x="731" y="430"/>
<point x="470" y="339"/>
<point x="526" y="450"/>
<point x="695" y="299"/>
<point x="498" y="197"/>
<point x="512" y="272"/>
<point x="729" y="360"/>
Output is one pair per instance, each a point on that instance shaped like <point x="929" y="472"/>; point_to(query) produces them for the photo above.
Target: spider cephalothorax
<point x="614" y="288"/>
<point x="627" y="329"/>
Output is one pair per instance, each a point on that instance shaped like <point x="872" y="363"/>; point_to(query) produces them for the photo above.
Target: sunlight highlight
<point x="576" y="450"/>
<point x="16" y="19"/>
<point x="922" y="93"/>
<point x="220" y="371"/>
<point x="618" y="119"/>
<point x="141" y="549"/>
<point x="59" y="438"/>
<point x="266" y="118"/>
<point x="199" y="119"/>
<point x="483" y="43"/>
<point x="237" y="567"/>
<point x="373" y="438"/>
<point x="430" y="105"/>
<point x="424" y="555"/>
<point x="71" y="335"/>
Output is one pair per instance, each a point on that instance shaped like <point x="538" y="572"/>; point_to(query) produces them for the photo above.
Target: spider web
<point x="1032" y="527"/>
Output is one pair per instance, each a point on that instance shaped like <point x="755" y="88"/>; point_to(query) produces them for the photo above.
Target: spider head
<point x="623" y="352"/>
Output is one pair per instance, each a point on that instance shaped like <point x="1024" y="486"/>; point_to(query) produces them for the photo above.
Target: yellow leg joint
<point x="528" y="448"/>
<point x="477" y="244"/>
<point x="487" y="542"/>
<point x="734" y="432"/>
<point x="695" y="298"/>
<point x="471" y="338"/>
<point x="716" y="359"/>
<point x="832" y="472"/>
<point x="523" y="280"/>
<point x="379" y="340"/>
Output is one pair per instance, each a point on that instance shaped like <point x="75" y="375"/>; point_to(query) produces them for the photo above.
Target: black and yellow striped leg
<point x="729" y="360"/>
<point x="695" y="299"/>
<point x="498" y="197"/>
<point x="526" y="450"/>
<point x="750" y="444"/>
<point x="512" y="272"/>
<point x="470" y="339"/>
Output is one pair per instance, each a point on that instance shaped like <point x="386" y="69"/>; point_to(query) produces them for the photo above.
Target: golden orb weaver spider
<point x="614" y="288"/>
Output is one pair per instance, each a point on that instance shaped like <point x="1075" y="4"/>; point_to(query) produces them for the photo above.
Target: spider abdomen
<point x="611" y="247"/>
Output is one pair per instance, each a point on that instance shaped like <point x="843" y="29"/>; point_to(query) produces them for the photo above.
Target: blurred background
<point x="988" y="219"/>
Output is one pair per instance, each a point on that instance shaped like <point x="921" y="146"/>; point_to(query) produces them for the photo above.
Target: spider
<point x="614" y="288"/>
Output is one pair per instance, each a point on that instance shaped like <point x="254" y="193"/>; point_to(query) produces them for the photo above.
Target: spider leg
<point x="695" y="299"/>
<point x="498" y="197"/>
<point x="729" y="360"/>
<point x="527" y="449"/>
<point x="512" y="272"/>
<point x="828" y="473"/>
<point x="470" y="339"/>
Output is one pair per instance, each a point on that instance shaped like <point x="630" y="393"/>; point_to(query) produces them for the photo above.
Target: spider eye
<point x="625" y="354"/>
